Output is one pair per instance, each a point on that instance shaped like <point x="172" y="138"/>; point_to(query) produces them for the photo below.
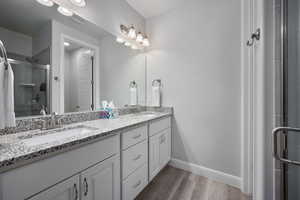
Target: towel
<point x="7" y="116"/>
<point x="155" y="96"/>
<point x="133" y="96"/>
<point x="10" y="119"/>
<point x="2" y="107"/>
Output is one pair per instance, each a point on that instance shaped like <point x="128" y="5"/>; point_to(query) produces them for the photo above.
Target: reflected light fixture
<point x="139" y="37"/>
<point x="79" y="3"/>
<point x="48" y="3"/>
<point x="64" y="11"/>
<point x="67" y="44"/>
<point x="120" y="40"/>
<point x="132" y="32"/>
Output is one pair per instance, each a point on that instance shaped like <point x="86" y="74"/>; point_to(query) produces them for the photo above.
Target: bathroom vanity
<point x="115" y="160"/>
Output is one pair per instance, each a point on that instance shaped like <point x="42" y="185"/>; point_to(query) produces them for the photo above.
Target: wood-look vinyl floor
<point x="176" y="184"/>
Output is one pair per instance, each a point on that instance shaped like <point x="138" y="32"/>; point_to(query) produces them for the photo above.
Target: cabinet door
<point x="102" y="181"/>
<point x="164" y="148"/>
<point x="66" y="190"/>
<point x="159" y="152"/>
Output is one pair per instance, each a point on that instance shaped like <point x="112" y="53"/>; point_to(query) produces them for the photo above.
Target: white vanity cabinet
<point x="114" y="168"/>
<point x="102" y="181"/>
<point x="134" y="161"/>
<point x="49" y="179"/>
<point x="159" y="146"/>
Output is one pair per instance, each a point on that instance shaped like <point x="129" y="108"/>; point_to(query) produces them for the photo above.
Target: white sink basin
<point x="50" y="136"/>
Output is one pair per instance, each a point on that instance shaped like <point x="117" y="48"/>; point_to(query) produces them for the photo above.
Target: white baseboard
<point x="207" y="172"/>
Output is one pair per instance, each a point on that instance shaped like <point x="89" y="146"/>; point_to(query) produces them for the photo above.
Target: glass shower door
<point x="289" y="150"/>
<point x="31" y="88"/>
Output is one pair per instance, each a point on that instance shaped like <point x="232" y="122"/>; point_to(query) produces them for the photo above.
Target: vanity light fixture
<point x="131" y="38"/>
<point x="124" y="29"/>
<point x="146" y="42"/>
<point x="79" y="3"/>
<point x="66" y="44"/>
<point x="120" y="40"/>
<point x="132" y="33"/>
<point x="48" y="3"/>
<point x="64" y="11"/>
<point x="139" y="37"/>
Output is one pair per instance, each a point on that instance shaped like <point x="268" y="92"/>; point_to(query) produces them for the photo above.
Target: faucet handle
<point x="54" y="113"/>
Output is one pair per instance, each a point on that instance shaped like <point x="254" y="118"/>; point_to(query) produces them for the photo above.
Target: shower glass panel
<point x="31" y="88"/>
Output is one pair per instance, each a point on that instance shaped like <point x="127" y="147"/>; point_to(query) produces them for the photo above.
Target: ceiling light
<point x="64" y="11"/>
<point x="146" y="42"/>
<point x="67" y="44"/>
<point x="48" y="3"/>
<point x="139" y="37"/>
<point x="79" y="3"/>
<point x="127" y="44"/>
<point x="132" y="32"/>
<point x="120" y="40"/>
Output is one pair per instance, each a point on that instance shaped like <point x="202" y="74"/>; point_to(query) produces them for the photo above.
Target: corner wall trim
<point x="207" y="172"/>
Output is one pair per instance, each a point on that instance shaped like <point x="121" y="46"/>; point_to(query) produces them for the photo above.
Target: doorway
<point x="78" y="77"/>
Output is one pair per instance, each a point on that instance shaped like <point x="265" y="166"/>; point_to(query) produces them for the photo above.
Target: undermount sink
<point x="49" y="136"/>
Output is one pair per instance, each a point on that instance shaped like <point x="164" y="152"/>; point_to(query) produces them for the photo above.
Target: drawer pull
<point x="137" y="136"/>
<point x="138" y="157"/>
<point x="137" y="184"/>
<point x="76" y="192"/>
<point x="86" y="187"/>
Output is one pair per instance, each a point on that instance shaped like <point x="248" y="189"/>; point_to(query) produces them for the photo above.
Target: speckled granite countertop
<point x="14" y="152"/>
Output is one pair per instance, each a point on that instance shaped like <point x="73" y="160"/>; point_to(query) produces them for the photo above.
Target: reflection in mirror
<point x="78" y="79"/>
<point x="66" y="64"/>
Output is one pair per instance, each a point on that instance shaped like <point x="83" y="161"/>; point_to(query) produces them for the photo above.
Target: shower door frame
<point x="40" y="66"/>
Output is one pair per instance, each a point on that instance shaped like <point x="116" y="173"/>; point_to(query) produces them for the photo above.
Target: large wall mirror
<point x="66" y="64"/>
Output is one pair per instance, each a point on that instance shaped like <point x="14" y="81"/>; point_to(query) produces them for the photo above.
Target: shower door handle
<point x="276" y="132"/>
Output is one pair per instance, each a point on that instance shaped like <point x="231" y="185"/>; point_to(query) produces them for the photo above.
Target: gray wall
<point x="196" y="51"/>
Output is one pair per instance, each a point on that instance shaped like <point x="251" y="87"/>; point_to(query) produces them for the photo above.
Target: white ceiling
<point x="152" y="8"/>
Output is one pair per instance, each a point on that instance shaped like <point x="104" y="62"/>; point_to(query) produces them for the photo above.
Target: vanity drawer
<point x="159" y="125"/>
<point x="135" y="183"/>
<point x="134" y="157"/>
<point x="134" y="136"/>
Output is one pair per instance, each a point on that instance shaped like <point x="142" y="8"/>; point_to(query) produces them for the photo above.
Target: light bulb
<point x="79" y="3"/>
<point x="120" y="40"/>
<point x="132" y="33"/>
<point x="48" y="3"/>
<point x="146" y="42"/>
<point x="64" y="11"/>
<point x="127" y="44"/>
<point x="139" y="37"/>
<point x="66" y="44"/>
